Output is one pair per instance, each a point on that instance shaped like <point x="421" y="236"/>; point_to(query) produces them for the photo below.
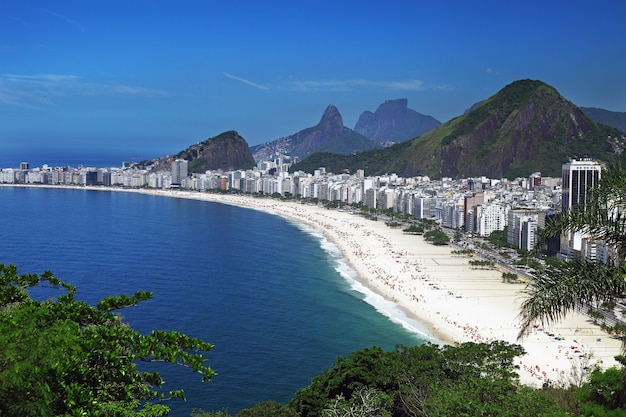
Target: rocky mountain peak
<point x="398" y="102"/>
<point x="394" y="122"/>
<point x="331" y="119"/>
<point x="329" y="135"/>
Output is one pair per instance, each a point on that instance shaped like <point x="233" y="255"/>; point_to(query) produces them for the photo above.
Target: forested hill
<point x="227" y="151"/>
<point x="525" y="127"/>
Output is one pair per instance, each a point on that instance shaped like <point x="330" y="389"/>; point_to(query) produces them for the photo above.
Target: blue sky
<point x="156" y="76"/>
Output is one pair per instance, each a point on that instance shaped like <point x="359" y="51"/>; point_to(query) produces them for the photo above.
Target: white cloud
<point x="354" y="84"/>
<point x="65" y="19"/>
<point x="243" y="80"/>
<point x="17" y="89"/>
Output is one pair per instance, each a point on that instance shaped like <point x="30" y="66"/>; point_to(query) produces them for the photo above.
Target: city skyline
<point x="155" y="77"/>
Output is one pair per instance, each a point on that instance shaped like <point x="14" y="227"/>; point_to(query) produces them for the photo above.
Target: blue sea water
<point x="12" y="156"/>
<point x="278" y="303"/>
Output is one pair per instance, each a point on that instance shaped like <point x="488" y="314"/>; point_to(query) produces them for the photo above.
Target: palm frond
<point x="572" y="286"/>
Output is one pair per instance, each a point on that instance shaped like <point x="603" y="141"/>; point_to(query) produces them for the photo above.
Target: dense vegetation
<point x="63" y="357"/>
<point x="227" y="151"/>
<point x="372" y="162"/>
<point x="465" y="380"/>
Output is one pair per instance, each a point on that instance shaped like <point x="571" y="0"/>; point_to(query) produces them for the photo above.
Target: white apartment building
<point x="490" y="217"/>
<point x="522" y="228"/>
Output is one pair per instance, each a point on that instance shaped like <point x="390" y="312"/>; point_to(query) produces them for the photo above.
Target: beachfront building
<point x="447" y="200"/>
<point x="371" y="198"/>
<point x="450" y="212"/>
<point x="179" y="173"/>
<point x="578" y="177"/>
<point x="424" y="207"/>
<point x="522" y="228"/>
<point x="534" y="180"/>
<point x="595" y="250"/>
<point x="490" y="217"/>
<point x="469" y="203"/>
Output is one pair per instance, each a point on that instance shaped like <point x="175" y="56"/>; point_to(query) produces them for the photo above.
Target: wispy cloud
<point x="65" y="19"/>
<point x="355" y="84"/>
<point x="26" y="90"/>
<point x="243" y="80"/>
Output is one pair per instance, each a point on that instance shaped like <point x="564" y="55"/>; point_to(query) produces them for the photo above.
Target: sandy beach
<point x="454" y="302"/>
<point x="439" y="289"/>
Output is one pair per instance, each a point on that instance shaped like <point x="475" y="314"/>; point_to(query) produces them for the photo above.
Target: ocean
<point x="277" y="301"/>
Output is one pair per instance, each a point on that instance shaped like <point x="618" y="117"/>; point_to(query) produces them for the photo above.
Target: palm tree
<point x="578" y="284"/>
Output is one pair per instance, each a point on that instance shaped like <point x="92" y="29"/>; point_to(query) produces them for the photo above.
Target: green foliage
<point x="414" y="229"/>
<point x="436" y="237"/>
<point x="197" y="165"/>
<point x="509" y="277"/>
<point x="268" y="409"/>
<point x="498" y="238"/>
<point x="604" y="394"/>
<point x="480" y="264"/>
<point x="427" y="380"/>
<point x="226" y="151"/>
<point x="372" y="162"/>
<point x="200" y="413"/>
<point x="65" y="357"/>
<point x="262" y="409"/>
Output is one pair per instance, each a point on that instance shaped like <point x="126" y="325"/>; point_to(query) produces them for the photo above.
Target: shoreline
<point x="435" y="288"/>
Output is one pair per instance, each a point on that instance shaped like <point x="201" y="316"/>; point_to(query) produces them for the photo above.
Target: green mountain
<point x="610" y="118"/>
<point x="227" y="151"/>
<point x="525" y="127"/>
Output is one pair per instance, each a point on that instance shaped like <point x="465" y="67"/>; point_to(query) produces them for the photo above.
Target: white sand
<point x="456" y="303"/>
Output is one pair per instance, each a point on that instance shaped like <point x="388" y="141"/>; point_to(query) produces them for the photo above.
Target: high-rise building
<point x="522" y="228"/>
<point x="469" y="203"/>
<point x="534" y="180"/>
<point x="578" y="177"/>
<point x="179" y="172"/>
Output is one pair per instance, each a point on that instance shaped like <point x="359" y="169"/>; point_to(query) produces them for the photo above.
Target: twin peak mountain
<point x="525" y="127"/>
<point x="392" y="122"/>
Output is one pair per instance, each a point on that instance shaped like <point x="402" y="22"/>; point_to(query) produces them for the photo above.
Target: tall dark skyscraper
<point x="578" y="176"/>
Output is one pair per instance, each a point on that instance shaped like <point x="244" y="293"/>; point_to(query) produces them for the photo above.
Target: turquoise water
<point x="276" y="301"/>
